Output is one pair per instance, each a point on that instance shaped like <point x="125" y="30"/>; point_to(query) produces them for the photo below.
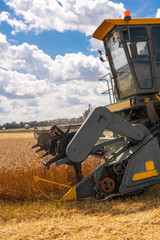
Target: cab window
<point x="120" y="64"/>
<point x="156" y="43"/>
<point x="141" y="63"/>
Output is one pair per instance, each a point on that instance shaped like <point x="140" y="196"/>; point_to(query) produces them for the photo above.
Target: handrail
<point x="109" y="90"/>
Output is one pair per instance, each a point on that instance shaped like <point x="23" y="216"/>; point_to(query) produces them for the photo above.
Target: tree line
<point x="32" y="124"/>
<point x="45" y="123"/>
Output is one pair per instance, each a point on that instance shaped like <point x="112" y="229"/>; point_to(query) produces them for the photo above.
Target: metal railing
<point x="110" y="88"/>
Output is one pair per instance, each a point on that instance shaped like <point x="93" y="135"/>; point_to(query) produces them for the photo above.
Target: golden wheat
<point x="129" y="218"/>
<point x="16" y="163"/>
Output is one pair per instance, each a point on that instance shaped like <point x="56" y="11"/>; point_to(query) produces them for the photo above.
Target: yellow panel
<point x="119" y="105"/>
<point x="158" y="97"/>
<point x="145" y="175"/>
<point x="108" y="24"/>
<point x="70" y="195"/>
<point x="149" y="165"/>
<point x="147" y="100"/>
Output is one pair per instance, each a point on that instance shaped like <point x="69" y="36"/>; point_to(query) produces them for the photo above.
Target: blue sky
<point x="49" y="66"/>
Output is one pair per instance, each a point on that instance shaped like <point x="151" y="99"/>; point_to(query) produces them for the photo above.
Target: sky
<point x="49" y="64"/>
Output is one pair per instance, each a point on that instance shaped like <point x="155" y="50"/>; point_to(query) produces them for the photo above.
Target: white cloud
<point x="4" y="16"/>
<point x="21" y="86"/>
<point x="158" y="13"/>
<point x="96" y="44"/>
<point x="71" y="99"/>
<point x="77" y="67"/>
<point x="35" y="87"/>
<point x="80" y="15"/>
<point x="31" y="59"/>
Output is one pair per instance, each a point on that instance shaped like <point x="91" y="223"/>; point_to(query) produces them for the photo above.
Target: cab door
<point x="141" y="62"/>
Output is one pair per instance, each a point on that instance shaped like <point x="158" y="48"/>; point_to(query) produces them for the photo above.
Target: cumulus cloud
<point x="21" y="86"/>
<point x="4" y="16"/>
<point x="77" y="67"/>
<point x="76" y="15"/>
<point x="158" y="13"/>
<point x="96" y="44"/>
<point x="31" y="59"/>
<point x="72" y="99"/>
<point x="34" y="86"/>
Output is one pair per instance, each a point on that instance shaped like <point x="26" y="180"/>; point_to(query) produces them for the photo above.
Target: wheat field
<point x="26" y="215"/>
<point x="16" y="163"/>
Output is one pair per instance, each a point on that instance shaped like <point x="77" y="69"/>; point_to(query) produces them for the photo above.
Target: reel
<point x="37" y="179"/>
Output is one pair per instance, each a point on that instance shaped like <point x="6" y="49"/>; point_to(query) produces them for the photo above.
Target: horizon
<point x="49" y="64"/>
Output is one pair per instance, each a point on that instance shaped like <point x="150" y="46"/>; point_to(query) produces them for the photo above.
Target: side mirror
<point x="102" y="60"/>
<point x="134" y="51"/>
<point x="100" y="52"/>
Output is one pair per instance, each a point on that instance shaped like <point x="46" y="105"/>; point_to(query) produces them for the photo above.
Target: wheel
<point x="119" y="168"/>
<point x="107" y="185"/>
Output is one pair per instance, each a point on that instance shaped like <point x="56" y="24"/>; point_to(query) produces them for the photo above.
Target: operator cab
<point x="133" y="51"/>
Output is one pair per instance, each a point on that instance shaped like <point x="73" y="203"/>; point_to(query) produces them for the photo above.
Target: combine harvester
<point x="132" y="47"/>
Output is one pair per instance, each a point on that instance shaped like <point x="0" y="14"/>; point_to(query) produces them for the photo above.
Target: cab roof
<point x="108" y="24"/>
